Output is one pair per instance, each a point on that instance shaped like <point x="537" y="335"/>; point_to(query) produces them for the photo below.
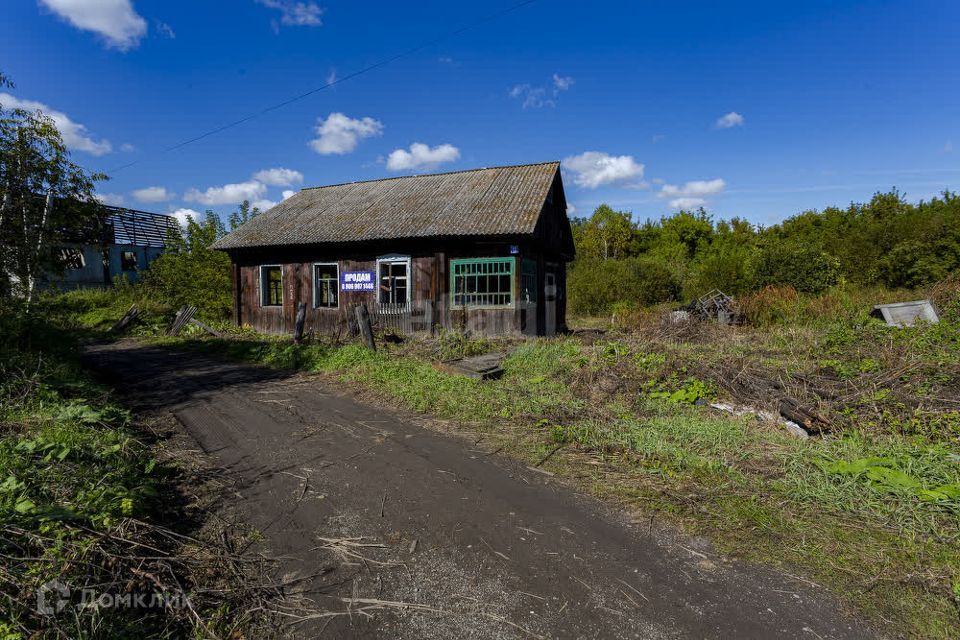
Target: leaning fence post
<point x="298" y="325"/>
<point x="363" y="322"/>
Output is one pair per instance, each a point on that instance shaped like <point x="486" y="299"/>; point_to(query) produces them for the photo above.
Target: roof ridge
<point x="427" y="175"/>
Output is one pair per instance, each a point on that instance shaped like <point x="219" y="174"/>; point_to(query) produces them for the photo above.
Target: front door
<point x="549" y="303"/>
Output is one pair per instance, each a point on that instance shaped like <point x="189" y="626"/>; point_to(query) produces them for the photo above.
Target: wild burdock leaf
<point x="24" y="506"/>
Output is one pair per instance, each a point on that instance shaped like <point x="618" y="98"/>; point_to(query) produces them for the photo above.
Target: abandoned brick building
<point x="483" y="250"/>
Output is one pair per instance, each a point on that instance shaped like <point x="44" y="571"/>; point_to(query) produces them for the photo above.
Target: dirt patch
<point x="384" y="528"/>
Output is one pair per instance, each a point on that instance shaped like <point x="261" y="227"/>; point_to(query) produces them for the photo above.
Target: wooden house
<point x="483" y="250"/>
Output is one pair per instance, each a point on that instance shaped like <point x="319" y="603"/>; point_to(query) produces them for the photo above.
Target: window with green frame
<point x="482" y="282"/>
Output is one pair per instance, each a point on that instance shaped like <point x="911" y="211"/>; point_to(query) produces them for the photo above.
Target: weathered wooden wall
<point x="429" y="282"/>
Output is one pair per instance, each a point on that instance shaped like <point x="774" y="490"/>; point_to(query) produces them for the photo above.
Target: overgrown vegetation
<point x="887" y="242"/>
<point x="872" y="509"/>
<point x="89" y="517"/>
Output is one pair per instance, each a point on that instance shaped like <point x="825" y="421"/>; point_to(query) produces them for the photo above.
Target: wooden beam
<point x="363" y="321"/>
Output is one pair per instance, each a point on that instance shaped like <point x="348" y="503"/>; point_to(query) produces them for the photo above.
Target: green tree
<point x="242" y="215"/>
<point x="45" y="200"/>
<point x="606" y="235"/>
<point x="190" y="272"/>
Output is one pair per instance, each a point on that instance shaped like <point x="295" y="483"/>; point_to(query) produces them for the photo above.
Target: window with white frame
<point x="326" y="285"/>
<point x="271" y="285"/>
<point x="393" y="277"/>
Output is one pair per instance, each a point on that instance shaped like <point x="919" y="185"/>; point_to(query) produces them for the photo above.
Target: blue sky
<point x="753" y="109"/>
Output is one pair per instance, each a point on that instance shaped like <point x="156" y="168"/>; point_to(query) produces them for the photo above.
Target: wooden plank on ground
<point x="131" y="316"/>
<point x="484" y="367"/>
<point x="205" y="327"/>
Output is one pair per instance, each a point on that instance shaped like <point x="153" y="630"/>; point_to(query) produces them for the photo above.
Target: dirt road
<point x="476" y="545"/>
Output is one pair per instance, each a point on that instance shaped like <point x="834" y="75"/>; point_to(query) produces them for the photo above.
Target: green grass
<point x="758" y="492"/>
<point x="872" y="511"/>
<point x="82" y="500"/>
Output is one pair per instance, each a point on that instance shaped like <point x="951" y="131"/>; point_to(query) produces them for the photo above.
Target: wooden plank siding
<point x="429" y="287"/>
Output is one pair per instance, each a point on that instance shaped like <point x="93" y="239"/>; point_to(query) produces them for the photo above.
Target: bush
<point x="914" y="264"/>
<point x="724" y="266"/>
<point x="771" y="305"/>
<point x="804" y="268"/>
<point x="192" y="273"/>
<point x="594" y="287"/>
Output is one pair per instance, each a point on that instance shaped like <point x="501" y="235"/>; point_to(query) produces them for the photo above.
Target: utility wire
<point x="376" y="65"/>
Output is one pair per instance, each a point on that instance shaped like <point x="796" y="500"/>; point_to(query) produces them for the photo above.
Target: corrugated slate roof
<point x="494" y="201"/>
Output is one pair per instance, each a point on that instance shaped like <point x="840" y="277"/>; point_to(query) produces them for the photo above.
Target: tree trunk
<point x="37" y="247"/>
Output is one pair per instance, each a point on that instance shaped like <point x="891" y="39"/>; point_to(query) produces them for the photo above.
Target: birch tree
<point x="45" y="201"/>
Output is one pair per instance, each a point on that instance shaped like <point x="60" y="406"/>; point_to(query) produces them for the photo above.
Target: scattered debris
<point x="906" y="314"/>
<point x="767" y="416"/>
<point x="482" y="367"/>
<point x="124" y="323"/>
<point x="810" y="419"/>
<point x="714" y="305"/>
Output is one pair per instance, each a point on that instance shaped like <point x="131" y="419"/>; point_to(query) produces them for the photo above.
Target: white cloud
<point x="287" y="193"/>
<point x="340" y="134"/>
<point x="421" y="155"/>
<point x="296" y="14"/>
<point x="182" y="214"/>
<point x="594" y="168"/>
<point x="165" y="30"/>
<point x="687" y="203"/>
<point x="234" y="193"/>
<point x="116" y="20"/>
<point x="571" y="209"/>
<point x="152" y="194"/>
<point x="561" y="83"/>
<point x="74" y="134"/>
<point x="732" y="119"/>
<point x="694" y="188"/>
<point x="332" y="76"/>
<point x="263" y="204"/>
<point x="279" y="177"/>
<point x="691" y="194"/>
<point x="446" y="60"/>
<point x="126" y="147"/>
<point x="114" y="199"/>
<point x="532" y="97"/>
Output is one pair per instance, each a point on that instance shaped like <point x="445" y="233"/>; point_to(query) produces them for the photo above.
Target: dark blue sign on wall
<point x="357" y="281"/>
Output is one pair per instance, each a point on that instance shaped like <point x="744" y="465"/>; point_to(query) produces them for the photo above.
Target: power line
<point x="381" y="63"/>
